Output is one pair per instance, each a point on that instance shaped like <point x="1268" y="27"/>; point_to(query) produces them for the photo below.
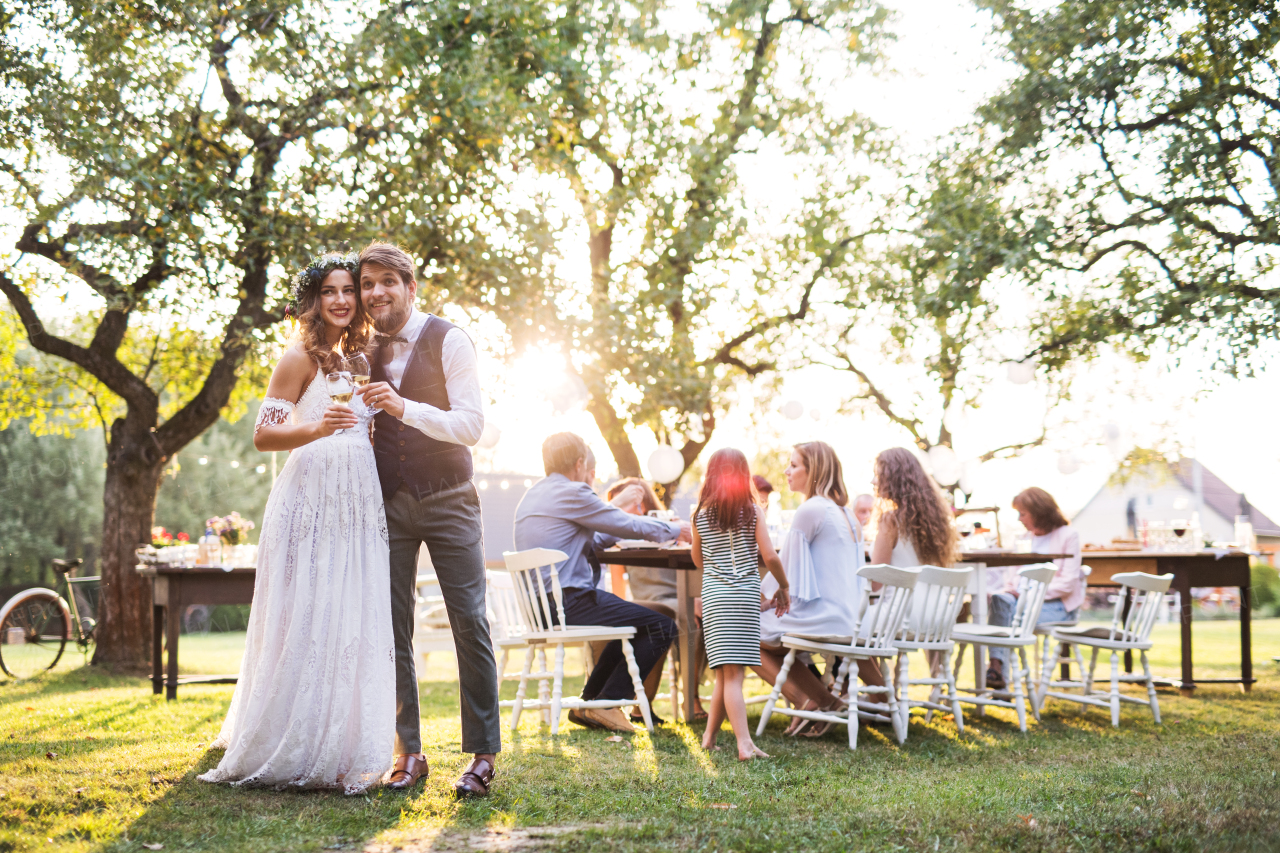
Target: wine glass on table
<point x="1179" y="527"/>
<point x="341" y="387"/>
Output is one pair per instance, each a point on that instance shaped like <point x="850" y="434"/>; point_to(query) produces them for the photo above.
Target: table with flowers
<point x="181" y="575"/>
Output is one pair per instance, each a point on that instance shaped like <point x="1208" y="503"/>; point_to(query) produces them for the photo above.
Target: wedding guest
<point x="730" y="541"/>
<point x="863" y="505"/>
<point x="821" y="554"/>
<point x="913" y="527"/>
<point x="763" y="489"/>
<point x="651" y="588"/>
<point x="914" y="524"/>
<point x="562" y="512"/>
<point x="1052" y="534"/>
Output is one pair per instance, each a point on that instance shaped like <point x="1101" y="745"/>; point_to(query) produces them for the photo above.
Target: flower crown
<point x="308" y="280"/>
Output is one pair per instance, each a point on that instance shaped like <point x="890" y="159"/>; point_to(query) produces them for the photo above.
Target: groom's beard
<point x="394" y="318"/>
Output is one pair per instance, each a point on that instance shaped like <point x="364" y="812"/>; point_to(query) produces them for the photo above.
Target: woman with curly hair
<point x="315" y="703"/>
<point x="913" y="518"/>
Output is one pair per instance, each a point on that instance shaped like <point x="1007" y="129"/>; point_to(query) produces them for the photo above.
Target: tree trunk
<point x="134" y="466"/>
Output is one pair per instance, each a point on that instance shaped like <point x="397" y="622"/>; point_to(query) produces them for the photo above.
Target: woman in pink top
<point x="1039" y="513"/>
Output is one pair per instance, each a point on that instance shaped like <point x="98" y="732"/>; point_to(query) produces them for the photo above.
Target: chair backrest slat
<point x="1033" y="583"/>
<point x="504" y="605"/>
<point x="935" y="603"/>
<point x="538" y="611"/>
<point x="1144" y="594"/>
<point x="882" y="619"/>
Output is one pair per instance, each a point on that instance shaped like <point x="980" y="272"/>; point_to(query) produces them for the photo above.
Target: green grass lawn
<point x="91" y="762"/>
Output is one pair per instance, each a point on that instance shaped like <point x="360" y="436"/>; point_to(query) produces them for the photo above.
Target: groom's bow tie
<point x="383" y="340"/>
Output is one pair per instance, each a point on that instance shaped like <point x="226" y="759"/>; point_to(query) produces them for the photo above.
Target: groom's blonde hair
<point x="390" y="256"/>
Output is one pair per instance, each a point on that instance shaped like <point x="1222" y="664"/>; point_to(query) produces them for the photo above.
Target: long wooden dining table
<point x="1191" y="569"/>
<point x="679" y="558"/>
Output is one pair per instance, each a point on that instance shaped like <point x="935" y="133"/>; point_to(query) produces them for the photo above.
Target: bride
<point x="315" y="703"/>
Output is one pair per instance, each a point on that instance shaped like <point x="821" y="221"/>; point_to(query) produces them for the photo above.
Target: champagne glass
<point x="358" y="367"/>
<point x="340" y="387"/>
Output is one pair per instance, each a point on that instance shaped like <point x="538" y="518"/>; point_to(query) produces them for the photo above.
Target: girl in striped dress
<point x="729" y="544"/>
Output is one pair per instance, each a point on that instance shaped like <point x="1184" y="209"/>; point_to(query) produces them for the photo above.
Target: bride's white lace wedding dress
<point x="315" y="703"/>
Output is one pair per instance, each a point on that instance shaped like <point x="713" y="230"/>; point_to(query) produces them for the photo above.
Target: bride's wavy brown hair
<point x="311" y="330"/>
<point x="916" y="505"/>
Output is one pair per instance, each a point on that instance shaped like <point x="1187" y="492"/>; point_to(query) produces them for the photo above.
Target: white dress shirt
<point x="464" y="422"/>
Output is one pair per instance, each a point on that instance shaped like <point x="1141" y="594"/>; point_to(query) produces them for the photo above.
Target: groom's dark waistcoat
<point x="408" y="455"/>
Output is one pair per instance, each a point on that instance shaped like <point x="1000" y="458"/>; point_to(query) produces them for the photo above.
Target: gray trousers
<point x="448" y="523"/>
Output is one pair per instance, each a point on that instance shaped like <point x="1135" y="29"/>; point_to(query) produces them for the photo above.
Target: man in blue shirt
<point x="562" y="512"/>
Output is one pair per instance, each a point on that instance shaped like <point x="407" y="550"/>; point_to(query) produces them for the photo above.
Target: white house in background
<point x="1167" y="492"/>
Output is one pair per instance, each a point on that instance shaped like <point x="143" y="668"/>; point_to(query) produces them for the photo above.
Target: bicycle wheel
<point x="35" y="626"/>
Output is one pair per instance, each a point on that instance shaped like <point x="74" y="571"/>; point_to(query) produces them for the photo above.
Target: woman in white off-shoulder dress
<point x="315" y="703"/>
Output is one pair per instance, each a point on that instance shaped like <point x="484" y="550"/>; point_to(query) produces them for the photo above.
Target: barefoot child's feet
<point x="749" y="751"/>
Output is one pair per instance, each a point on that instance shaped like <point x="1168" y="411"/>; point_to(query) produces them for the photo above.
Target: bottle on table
<point x="210" y="549"/>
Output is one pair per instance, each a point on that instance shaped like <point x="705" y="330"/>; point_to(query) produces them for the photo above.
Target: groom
<point x="425" y="385"/>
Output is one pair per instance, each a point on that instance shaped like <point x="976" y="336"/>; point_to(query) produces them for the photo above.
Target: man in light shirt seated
<point x="562" y="512"/>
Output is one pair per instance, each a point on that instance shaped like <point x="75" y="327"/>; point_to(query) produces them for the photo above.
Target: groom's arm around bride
<point x="425" y="387"/>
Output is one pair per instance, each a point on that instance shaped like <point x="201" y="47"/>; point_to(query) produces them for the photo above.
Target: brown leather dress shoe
<point x="475" y="780"/>
<point x="406" y="772"/>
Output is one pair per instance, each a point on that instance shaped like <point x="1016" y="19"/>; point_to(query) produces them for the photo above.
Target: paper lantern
<point x="945" y="464"/>
<point x="792" y="410"/>
<point x="1111" y="437"/>
<point x="489" y="436"/>
<point x="969" y="476"/>
<point x="1021" y="372"/>
<point x="1068" y="463"/>
<point x="567" y="393"/>
<point x="665" y="464"/>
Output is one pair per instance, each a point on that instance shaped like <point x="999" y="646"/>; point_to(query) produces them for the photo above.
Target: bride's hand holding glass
<point x="339" y="416"/>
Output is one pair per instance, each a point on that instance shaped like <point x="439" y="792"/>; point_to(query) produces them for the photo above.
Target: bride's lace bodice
<point x="310" y="407"/>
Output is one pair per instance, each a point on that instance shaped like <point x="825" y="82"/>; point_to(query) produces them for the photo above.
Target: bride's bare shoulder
<point x="293" y="372"/>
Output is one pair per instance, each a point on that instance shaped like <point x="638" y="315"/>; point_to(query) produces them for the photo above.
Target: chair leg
<point x="1017" y="679"/>
<point x="1088" y="682"/>
<point x="901" y="686"/>
<point x="953" y="695"/>
<point x="543" y="689"/>
<point x="776" y="692"/>
<point x="524" y="681"/>
<point x="674" y="679"/>
<point x="1046" y="677"/>
<point x="638" y="683"/>
<point x="502" y="664"/>
<point x="1027" y="675"/>
<point x="895" y="709"/>
<point x="1115" y="689"/>
<point x="852" y="720"/>
<point x="1151" y="689"/>
<point x="557" y="689"/>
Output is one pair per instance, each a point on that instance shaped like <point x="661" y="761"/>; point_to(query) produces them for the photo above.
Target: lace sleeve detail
<point x="273" y="412"/>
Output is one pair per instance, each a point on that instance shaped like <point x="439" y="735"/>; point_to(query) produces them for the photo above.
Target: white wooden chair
<point x="1062" y="653"/>
<point x="543" y="621"/>
<point x="873" y="639"/>
<point x="1128" y="632"/>
<point x="1033" y="583"/>
<point x="935" y="604"/>
<point x="431" y="631"/>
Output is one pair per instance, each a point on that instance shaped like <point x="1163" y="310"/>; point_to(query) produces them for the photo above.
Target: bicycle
<point x="36" y="624"/>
